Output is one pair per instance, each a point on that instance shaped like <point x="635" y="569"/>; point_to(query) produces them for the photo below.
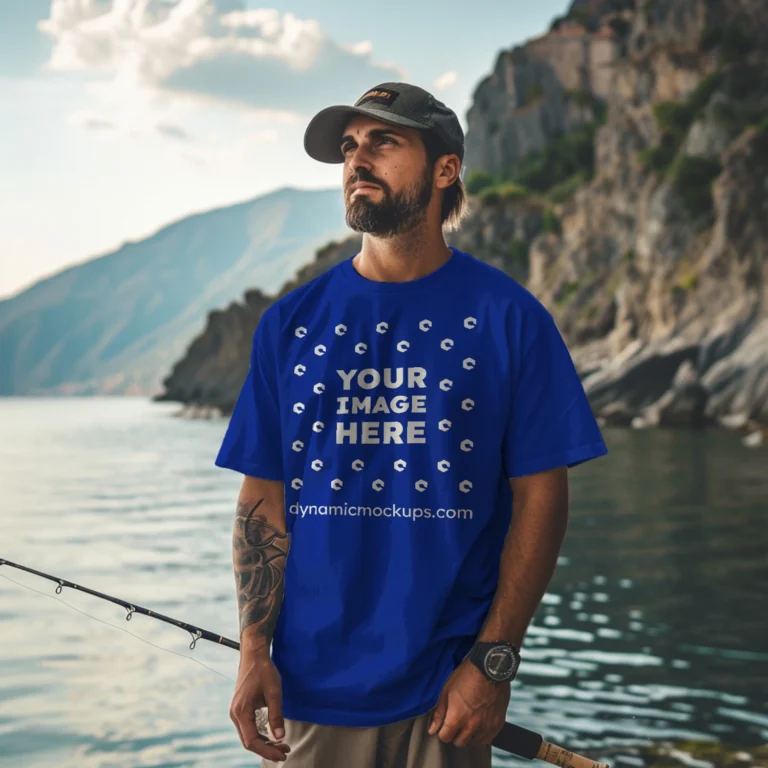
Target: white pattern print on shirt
<point x="356" y="382"/>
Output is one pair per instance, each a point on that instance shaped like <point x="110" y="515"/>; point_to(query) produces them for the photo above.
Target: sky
<point x="118" y="117"/>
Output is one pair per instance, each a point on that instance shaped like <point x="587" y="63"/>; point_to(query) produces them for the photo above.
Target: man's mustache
<point x="365" y="181"/>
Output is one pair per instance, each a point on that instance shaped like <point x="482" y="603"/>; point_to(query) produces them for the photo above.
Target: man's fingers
<point x="251" y="739"/>
<point x="274" y="705"/>
<point x="254" y="742"/>
<point x="450" y="728"/>
<point x="488" y="734"/>
<point x="465" y="735"/>
<point x="237" y="727"/>
<point x="438" y="715"/>
<point x="481" y="737"/>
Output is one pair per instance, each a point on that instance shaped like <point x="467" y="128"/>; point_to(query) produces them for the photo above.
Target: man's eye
<point x="382" y="138"/>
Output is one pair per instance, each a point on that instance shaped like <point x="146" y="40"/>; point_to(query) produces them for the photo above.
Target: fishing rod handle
<point x="551" y="753"/>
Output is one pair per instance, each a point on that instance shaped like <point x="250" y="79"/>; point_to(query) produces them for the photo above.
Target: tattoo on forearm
<point x="259" y="554"/>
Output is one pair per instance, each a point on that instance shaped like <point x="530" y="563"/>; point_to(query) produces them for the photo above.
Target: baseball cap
<point x="396" y="103"/>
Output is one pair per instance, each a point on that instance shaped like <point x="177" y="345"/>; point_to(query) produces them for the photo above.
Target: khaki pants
<point x="404" y="744"/>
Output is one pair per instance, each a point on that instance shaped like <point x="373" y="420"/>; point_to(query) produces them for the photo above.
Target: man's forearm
<point x="528" y="559"/>
<point x="260" y="549"/>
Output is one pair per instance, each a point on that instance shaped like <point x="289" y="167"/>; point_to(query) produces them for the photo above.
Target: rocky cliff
<point x="658" y="271"/>
<point x="535" y="93"/>
<point x="209" y="377"/>
<point x="618" y="167"/>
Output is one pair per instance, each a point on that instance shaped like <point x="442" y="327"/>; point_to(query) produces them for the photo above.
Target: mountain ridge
<point x="112" y="324"/>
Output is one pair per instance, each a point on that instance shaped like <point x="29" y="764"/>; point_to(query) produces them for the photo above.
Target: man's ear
<point x="449" y="167"/>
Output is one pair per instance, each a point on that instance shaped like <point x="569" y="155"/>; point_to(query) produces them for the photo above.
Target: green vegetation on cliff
<point x="674" y="119"/>
<point x="553" y="173"/>
<point x="693" y="177"/>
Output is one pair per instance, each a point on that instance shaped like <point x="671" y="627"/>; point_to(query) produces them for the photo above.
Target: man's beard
<point x="392" y="215"/>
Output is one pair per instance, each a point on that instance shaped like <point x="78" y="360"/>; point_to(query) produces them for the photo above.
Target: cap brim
<point x="322" y="139"/>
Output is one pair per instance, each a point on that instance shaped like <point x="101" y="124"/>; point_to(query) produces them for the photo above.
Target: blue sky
<point x="120" y="116"/>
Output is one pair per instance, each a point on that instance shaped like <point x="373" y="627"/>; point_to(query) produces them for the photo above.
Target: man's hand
<point x="471" y="709"/>
<point x="258" y="685"/>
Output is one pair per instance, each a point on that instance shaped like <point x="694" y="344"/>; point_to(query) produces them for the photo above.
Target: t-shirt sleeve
<point x="252" y="443"/>
<point x="550" y="422"/>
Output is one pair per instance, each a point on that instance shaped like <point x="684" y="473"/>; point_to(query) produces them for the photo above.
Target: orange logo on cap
<point x="377" y="94"/>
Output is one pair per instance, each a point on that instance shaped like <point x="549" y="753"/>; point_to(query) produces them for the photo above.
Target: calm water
<point x="653" y="628"/>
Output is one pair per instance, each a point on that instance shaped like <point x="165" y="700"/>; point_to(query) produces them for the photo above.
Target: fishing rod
<point x="512" y="738"/>
<point x="196" y="632"/>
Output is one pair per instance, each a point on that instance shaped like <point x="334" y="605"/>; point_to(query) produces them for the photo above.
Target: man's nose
<point x="360" y="156"/>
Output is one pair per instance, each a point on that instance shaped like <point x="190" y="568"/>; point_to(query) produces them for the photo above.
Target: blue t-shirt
<point x="395" y="414"/>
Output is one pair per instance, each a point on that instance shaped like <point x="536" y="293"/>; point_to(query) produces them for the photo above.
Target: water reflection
<point x="652" y="610"/>
<point x="651" y="628"/>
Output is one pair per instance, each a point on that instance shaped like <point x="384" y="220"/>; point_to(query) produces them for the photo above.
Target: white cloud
<point x="174" y="131"/>
<point x="271" y="116"/>
<point x="232" y="157"/>
<point x="359" y="49"/>
<point x="446" y="80"/>
<point x="207" y="49"/>
<point x="133" y="112"/>
<point x="94" y="122"/>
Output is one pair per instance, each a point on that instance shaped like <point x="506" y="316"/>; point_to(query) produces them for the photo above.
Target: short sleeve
<point x="550" y="422"/>
<point x="252" y="443"/>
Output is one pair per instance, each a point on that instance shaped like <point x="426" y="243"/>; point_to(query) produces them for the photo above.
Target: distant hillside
<point x="115" y="324"/>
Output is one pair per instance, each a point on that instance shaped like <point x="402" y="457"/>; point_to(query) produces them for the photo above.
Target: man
<point x="405" y="430"/>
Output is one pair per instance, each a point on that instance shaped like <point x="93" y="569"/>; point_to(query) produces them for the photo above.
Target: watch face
<point x="501" y="663"/>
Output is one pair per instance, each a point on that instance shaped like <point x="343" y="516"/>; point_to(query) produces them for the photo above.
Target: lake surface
<point x="653" y="628"/>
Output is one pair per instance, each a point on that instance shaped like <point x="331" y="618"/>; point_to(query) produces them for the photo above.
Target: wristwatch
<point x="499" y="662"/>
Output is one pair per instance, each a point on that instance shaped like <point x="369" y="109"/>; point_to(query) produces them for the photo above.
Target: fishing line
<point x="122" y="629"/>
<point x="512" y="738"/>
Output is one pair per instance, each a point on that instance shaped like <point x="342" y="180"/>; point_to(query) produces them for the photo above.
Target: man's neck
<point x="399" y="259"/>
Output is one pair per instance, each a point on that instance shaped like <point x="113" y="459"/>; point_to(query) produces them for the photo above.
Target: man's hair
<point x="455" y="201"/>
